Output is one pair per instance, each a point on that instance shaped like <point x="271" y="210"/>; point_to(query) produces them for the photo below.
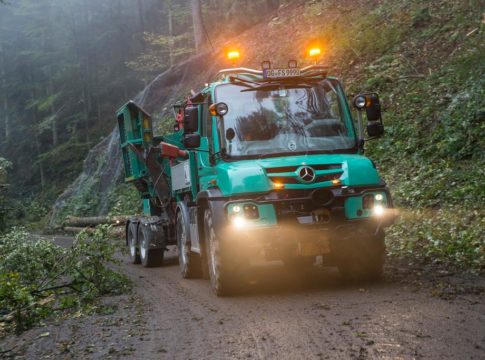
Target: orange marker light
<point x="233" y="55"/>
<point x="336" y="182"/>
<point x="314" y="52"/>
<point x="279" y="185"/>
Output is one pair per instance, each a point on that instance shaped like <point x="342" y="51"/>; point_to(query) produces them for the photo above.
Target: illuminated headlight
<point x="236" y="209"/>
<point x="379" y="197"/>
<point x="238" y="221"/>
<point x="378" y="210"/>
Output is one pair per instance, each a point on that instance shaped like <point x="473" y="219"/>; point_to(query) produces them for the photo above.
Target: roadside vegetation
<point x="39" y="279"/>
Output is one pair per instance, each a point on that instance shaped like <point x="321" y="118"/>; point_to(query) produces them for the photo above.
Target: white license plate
<point x="280" y="73"/>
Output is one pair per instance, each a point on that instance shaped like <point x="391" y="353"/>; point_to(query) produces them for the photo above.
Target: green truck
<point x="261" y="164"/>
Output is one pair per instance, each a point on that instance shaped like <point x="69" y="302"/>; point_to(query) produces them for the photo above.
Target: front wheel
<point x="226" y="266"/>
<point x="149" y="257"/>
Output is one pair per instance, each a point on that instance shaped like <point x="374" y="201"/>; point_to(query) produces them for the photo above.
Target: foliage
<point x="451" y="234"/>
<point x="125" y="199"/>
<point x="38" y="278"/>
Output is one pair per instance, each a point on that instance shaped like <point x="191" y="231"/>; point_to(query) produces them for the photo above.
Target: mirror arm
<point x="360" y="126"/>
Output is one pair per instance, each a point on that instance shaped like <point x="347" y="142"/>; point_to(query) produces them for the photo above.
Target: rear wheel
<point x="131" y="241"/>
<point x="362" y="259"/>
<point x="226" y="267"/>
<point x="149" y="257"/>
<point x="189" y="262"/>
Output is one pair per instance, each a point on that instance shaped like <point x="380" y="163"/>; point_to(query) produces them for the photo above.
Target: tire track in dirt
<point x="311" y="315"/>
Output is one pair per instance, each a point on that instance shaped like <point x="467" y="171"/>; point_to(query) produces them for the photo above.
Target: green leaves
<point x="36" y="274"/>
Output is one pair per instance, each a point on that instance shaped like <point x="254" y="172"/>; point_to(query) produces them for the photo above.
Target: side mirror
<point x="370" y="102"/>
<point x="191" y="119"/>
<point x="191" y="141"/>
<point x="374" y="129"/>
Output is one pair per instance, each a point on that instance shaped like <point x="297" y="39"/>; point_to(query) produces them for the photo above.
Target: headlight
<point x="378" y="210"/>
<point x="379" y="197"/>
<point x="238" y="222"/>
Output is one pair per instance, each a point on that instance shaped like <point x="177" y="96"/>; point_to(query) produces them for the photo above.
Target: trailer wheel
<point x="225" y="265"/>
<point x="149" y="257"/>
<point x="363" y="259"/>
<point x="189" y="262"/>
<point x="131" y="241"/>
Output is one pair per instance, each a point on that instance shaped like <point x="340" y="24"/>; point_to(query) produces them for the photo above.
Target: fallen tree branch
<point x="93" y="221"/>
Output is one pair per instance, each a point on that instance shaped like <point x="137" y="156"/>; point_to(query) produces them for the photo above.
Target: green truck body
<point x="258" y="167"/>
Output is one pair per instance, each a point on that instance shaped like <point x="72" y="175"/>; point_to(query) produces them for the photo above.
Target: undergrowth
<point x="40" y="279"/>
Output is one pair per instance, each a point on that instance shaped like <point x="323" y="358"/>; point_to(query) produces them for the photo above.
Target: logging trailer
<point x="261" y="164"/>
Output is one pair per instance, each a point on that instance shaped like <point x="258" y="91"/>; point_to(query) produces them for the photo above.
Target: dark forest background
<point x="67" y="65"/>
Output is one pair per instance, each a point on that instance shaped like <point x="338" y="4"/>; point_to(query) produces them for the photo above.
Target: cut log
<point x="74" y="221"/>
<point x="117" y="231"/>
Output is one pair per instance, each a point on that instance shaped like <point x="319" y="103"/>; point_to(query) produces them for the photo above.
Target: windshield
<point x="302" y="118"/>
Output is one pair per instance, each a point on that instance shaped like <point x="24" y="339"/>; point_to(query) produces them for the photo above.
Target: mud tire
<point x="132" y="243"/>
<point x="148" y="257"/>
<point x="225" y="266"/>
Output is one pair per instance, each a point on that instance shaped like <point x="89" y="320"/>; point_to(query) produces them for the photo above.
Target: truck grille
<point x="294" y="180"/>
<point x="283" y="169"/>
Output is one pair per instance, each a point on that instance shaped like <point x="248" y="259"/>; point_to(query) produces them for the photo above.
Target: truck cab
<point x="262" y="164"/>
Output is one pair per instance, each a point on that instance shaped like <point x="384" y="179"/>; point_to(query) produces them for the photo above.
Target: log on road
<point x="117" y="231"/>
<point x="74" y="221"/>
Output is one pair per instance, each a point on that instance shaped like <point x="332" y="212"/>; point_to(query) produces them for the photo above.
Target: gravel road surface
<point x="411" y="314"/>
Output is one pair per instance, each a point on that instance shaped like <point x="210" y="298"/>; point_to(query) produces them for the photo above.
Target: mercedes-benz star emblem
<point x="306" y="174"/>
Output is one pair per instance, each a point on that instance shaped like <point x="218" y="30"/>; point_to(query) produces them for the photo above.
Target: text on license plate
<point x="280" y="73"/>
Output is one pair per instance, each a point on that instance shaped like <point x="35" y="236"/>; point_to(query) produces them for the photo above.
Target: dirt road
<point x="302" y="316"/>
<point x="281" y="315"/>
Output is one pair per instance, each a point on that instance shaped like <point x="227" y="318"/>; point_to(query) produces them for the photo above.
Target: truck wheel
<point x="363" y="259"/>
<point x="224" y="266"/>
<point x="131" y="241"/>
<point x="149" y="257"/>
<point x="189" y="261"/>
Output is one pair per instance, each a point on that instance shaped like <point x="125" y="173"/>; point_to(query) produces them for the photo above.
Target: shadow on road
<point x="274" y="278"/>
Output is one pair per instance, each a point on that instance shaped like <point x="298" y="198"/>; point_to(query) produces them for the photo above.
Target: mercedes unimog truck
<point x="262" y="164"/>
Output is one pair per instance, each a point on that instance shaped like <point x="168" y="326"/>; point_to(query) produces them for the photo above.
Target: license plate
<point x="280" y="73"/>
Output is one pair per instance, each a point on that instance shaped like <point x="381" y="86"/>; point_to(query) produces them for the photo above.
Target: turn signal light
<point x="279" y="185"/>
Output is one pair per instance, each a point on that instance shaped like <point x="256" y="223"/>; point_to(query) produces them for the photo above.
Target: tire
<point x="225" y="267"/>
<point x="148" y="257"/>
<point x="189" y="262"/>
<point x="131" y="242"/>
<point x="363" y="259"/>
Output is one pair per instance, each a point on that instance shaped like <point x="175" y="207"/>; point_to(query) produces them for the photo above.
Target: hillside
<point x="427" y="63"/>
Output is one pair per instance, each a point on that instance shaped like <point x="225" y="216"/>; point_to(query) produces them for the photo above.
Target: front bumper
<point x="323" y="208"/>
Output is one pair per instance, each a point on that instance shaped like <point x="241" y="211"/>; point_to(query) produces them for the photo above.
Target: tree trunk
<point x="34" y="118"/>
<point x="199" y="36"/>
<point x="96" y="220"/>
<point x="170" y="32"/>
<point x="6" y="115"/>
<point x="55" y="137"/>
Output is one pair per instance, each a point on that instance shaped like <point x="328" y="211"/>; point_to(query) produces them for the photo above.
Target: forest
<point x="66" y="66"/>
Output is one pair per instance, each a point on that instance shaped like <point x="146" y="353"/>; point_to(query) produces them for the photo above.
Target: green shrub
<point x="38" y="277"/>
